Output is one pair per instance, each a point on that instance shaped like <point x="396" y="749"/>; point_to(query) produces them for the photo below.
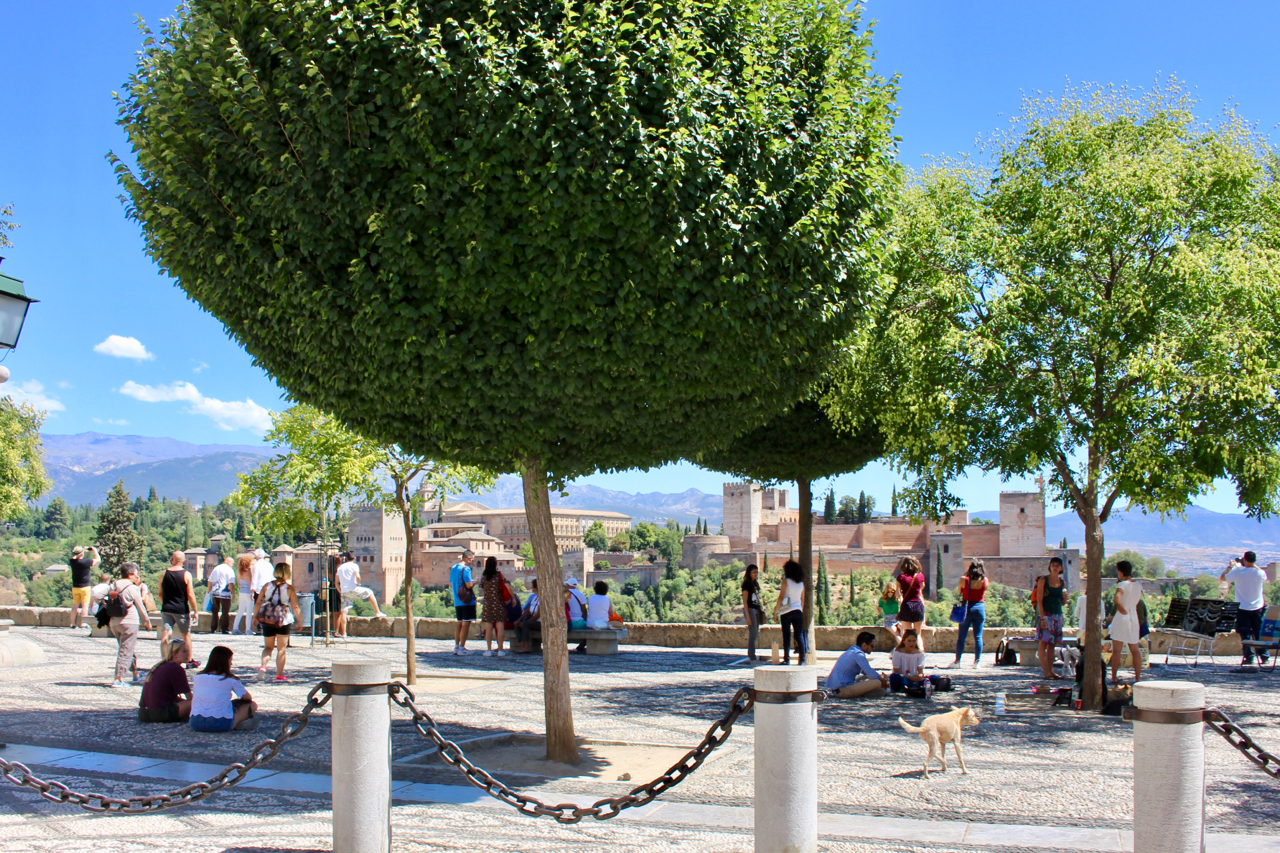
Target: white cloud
<point x="228" y="415"/>
<point x="64" y="384"/>
<point x="199" y="367"/>
<point x="32" y="392"/>
<point x="116" y="421"/>
<point x="122" y="347"/>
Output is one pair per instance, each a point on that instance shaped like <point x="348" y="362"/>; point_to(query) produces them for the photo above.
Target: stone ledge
<point x="830" y="638"/>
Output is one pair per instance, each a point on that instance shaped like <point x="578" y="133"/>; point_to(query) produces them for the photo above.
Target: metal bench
<point x="1269" y="638"/>
<point x="1192" y="625"/>
<point x="601" y="642"/>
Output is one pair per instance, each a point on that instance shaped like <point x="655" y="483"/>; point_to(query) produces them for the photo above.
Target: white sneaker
<point x="501" y="653"/>
<point x="488" y="653"/>
<point x="457" y="650"/>
<point x="117" y="683"/>
<point x="463" y="651"/>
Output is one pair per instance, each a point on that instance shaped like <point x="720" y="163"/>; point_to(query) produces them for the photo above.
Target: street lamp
<point x="13" y="310"/>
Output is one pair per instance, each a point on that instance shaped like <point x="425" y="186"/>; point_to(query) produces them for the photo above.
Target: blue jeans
<point x="898" y="682"/>
<point x="975" y="619"/>
<point x="793" y="620"/>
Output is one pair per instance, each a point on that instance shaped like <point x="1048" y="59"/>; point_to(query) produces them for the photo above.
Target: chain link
<point x="640" y="795"/>
<point x="21" y="775"/>
<point x="1237" y="737"/>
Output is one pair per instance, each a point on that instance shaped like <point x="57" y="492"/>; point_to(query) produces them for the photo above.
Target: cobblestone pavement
<point x="1057" y="771"/>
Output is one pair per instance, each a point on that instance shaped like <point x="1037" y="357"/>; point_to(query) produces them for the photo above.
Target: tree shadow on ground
<point x="646" y="660"/>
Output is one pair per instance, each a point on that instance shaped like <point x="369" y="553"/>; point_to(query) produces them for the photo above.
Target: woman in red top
<point x="973" y="590"/>
<point x="911" y="581"/>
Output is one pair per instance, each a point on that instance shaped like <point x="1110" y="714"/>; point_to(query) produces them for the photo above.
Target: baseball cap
<point x="571" y="582"/>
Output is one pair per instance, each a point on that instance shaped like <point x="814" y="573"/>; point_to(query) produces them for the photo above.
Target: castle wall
<point x="697" y="549"/>
<point x="981" y="540"/>
<point x="743" y="508"/>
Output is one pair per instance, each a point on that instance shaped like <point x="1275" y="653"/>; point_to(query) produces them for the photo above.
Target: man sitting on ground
<point x="853" y="676"/>
<point x="166" y="695"/>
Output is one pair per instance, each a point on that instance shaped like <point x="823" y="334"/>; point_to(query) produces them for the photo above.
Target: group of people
<point x="500" y="607"/>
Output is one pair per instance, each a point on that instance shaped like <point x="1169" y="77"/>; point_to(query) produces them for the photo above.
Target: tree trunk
<point x="806" y="551"/>
<point x="1092" y="692"/>
<point x="562" y="745"/>
<point x="410" y="636"/>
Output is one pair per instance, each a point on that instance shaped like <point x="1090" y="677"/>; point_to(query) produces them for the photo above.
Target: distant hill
<point x="199" y="479"/>
<point x="685" y="507"/>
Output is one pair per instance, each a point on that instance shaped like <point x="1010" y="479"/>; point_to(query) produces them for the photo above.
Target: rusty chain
<point x="568" y="813"/>
<point x="1237" y="737"/>
<point x="21" y="775"/>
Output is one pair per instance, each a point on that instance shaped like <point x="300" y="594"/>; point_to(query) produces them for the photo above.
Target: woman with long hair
<point x="752" y="609"/>
<point x="973" y="592"/>
<point x="493" y="614"/>
<point x="911" y="583"/>
<point x="1050" y="593"/>
<point x="276" y="611"/>
<point x="890" y="603"/>
<point x="243" y="623"/>
<point x="790" y="611"/>
<point x="219" y="701"/>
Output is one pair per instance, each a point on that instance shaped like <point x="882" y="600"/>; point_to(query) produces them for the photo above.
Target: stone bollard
<point x="786" y="756"/>
<point x="1168" y="766"/>
<point x="361" y="756"/>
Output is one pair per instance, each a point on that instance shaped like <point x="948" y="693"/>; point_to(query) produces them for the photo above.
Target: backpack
<point x="273" y="613"/>
<point x="115" y="606"/>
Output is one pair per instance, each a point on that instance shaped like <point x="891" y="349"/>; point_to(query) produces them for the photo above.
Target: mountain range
<point x="85" y="466"/>
<point x="685" y="507"/>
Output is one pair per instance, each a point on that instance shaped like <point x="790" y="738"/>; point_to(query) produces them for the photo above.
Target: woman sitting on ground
<point x="166" y="695"/>
<point x="219" y="701"/>
<point x="600" y="612"/>
<point x="908" y="664"/>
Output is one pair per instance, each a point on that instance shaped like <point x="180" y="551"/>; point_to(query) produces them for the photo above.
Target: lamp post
<point x="13" y="312"/>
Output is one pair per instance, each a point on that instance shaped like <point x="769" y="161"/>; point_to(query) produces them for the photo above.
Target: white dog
<point x="941" y="729"/>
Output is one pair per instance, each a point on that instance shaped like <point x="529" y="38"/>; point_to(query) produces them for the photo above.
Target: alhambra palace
<point x="759" y="523"/>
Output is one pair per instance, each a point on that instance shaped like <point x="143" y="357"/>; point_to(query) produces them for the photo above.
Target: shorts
<point x="276" y="630"/>
<point x="164" y="714"/>
<point x="465" y="612"/>
<point x="80" y="595"/>
<point x="1050" y="631"/>
<point x="349" y="597"/>
<point x="912" y="611"/>
<point x="180" y="622"/>
<point x="211" y="724"/>
<point x="890" y="620"/>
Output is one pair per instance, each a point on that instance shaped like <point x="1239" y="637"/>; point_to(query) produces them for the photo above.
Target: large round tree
<point x="536" y="236"/>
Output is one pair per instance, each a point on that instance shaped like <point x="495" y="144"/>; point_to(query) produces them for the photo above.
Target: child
<point x="600" y="612"/>
<point x="890" y="604"/>
<point x="908" y="664"/>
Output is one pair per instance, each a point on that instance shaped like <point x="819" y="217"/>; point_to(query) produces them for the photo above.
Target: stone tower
<point x="743" y="509"/>
<point x="1021" y="524"/>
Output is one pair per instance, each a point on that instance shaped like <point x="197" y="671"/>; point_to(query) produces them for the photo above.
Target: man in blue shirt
<point x="853" y="676"/>
<point x="464" y="611"/>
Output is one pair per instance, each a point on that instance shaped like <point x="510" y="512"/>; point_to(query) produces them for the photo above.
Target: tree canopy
<point x="533" y="204"/>
<point x="22" y="476"/>
<point x="1097" y="300"/>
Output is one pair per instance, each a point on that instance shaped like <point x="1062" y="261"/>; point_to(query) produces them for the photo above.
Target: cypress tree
<point x="893" y="502"/>
<point x="829" y="507"/>
<point x="117" y="541"/>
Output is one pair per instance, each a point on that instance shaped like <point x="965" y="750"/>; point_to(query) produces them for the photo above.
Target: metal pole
<point x="1168" y="766"/>
<point x="361" y="757"/>
<point x="786" y="757"/>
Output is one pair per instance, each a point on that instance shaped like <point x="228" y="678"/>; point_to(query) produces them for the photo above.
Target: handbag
<point x="959" y="613"/>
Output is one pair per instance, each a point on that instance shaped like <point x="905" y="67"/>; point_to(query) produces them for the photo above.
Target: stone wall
<point x="668" y="635"/>
<point x="1021" y="524"/>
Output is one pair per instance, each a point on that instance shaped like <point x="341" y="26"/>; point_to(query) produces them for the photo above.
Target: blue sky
<point x="115" y="347"/>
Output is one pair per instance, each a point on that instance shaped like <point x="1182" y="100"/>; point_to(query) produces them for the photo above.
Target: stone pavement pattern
<point x="1062" y="773"/>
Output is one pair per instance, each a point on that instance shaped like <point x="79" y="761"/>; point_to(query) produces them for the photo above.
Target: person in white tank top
<point x="600" y="608"/>
<point x="790" y="611"/>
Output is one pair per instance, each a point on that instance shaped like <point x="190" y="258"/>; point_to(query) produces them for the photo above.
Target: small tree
<point x="22" y="476"/>
<point x="829" y="508"/>
<point x="1098" y="301"/>
<point x="57" y="521"/>
<point x="893" y="502"/>
<point x="116" y="539"/>
<point x="595" y="537"/>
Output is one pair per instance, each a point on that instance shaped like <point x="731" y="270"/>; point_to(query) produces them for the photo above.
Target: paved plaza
<point x="1062" y="783"/>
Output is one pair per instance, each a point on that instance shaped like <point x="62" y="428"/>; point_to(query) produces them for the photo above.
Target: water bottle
<point x="928" y="689"/>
